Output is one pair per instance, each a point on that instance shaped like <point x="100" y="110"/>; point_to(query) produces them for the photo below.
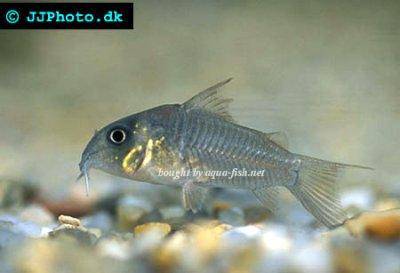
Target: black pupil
<point x="117" y="136"/>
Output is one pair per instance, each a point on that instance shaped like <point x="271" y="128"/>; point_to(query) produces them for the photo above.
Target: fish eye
<point x="117" y="136"/>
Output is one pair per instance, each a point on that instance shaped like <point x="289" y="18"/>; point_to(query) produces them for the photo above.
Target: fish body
<point x="197" y="145"/>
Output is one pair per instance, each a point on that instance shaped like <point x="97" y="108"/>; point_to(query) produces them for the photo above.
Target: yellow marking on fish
<point x="159" y="141"/>
<point x="116" y="158"/>
<point x="149" y="152"/>
<point x="130" y="162"/>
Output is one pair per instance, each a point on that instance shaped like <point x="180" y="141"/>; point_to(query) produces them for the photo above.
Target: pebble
<point x="130" y="209"/>
<point x="219" y="206"/>
<point x="171" y="212"/>
<point x="233" y="216"/>
<point x="37" y="214"/>
<point x="387" y="204"/>
<point x="168" y="255"/>
<point x="276" y="238"/>
<point x="206" y="236"/>
<point x="152" y="216"/>
<point x="256" y="214"/>
<point x="100" y="220"/>
<point x="226" y="237"/>
<point x="153" y="227"/>
<point x="384" y="228"/>
<point x="15" y="194"/>
<point x="61" y="255"/>
<point x="71" y="227"/>
<point x="114" y="248"/>
<point x="9" y="236"/>
<point x="360" y="198"/>
<point x="382" y="225"/>
<point x="349" y="257"/>
<point x="313" y="258"/>
<point x="19" y="226"/>
<point x="242" y="234"/>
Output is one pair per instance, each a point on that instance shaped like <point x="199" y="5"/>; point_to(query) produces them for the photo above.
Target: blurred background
<point x="324" y="72"/>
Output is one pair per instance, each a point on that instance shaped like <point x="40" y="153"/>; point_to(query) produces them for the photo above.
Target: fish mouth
<point x="84" y="166"/>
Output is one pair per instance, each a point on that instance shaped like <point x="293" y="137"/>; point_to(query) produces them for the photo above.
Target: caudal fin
<point x="315" y="188"/>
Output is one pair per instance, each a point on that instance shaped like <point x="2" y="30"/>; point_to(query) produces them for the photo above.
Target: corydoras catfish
<point x="197" y="145"/>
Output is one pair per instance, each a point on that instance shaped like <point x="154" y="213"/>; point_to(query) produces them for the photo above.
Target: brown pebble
<point x="381" y="225"/>
<point x="76" y="203"/>
<point x="219" y="206"/>
<point x="385" y="228"/>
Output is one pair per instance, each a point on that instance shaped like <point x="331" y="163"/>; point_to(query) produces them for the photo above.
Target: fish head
<point x="117" y="149"/>
<point x="121" y="147"/>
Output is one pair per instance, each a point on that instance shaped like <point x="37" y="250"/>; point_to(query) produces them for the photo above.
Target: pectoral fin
<point x="193" y="196"/>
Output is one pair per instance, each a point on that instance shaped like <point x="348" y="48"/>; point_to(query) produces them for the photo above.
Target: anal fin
<point x="269" y="197"/>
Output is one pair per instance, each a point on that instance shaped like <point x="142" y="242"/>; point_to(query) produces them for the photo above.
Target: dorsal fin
<point x="211" y="100"/>
<point x="279" y="138"/>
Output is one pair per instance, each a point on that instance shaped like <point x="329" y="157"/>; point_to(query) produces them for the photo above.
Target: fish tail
<point x="315" y="187"/>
